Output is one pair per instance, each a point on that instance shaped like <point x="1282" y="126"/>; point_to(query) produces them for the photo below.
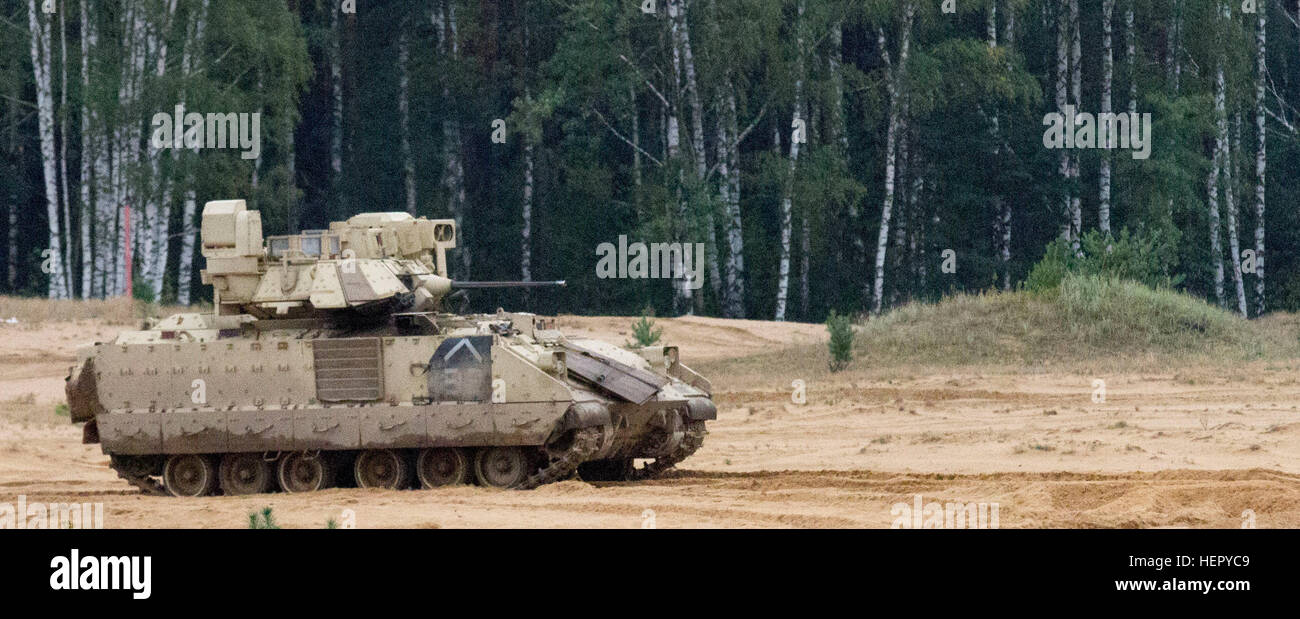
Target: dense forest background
<point x="848" y="155"/>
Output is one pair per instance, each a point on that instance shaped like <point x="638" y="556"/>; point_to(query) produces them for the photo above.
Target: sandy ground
<point x="1193" y="447"/>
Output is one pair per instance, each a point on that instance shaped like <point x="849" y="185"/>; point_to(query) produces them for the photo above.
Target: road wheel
<point x="245" y="473"/>
<point x="190" y="475"/>
<point x="380" y="468"/>
<point x="303" y="472"/>
<point x="442" y="466"/>
<point x="501" y="467"/>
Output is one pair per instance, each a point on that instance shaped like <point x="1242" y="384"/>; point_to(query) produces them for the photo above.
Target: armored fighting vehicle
<point x="330" y="359"/>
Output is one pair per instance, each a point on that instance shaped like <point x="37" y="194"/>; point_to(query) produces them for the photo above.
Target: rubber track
<point x="144" y="482"/>
<point x="585" y="443"/>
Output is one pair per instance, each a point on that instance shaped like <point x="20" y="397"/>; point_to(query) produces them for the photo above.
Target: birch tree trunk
<point x="1076" y="89"/>
<point x="1130" y="42"/>
<point x="41" y="66"/>
<point x="787" y="193"/>
<point x="1230" y="203"/>
<point x="11" y="234"/>
<point x="185" y="269"/>
<point x="526" y="236"/>
<point x="899" y="217"/>
<point x="63" y="159"/>
<point x="805" y="257"/>
<point x="838" y="131"/>
<point x="291" y="168"/>
<point x="733" y="305"/>
<point x="1220" y="145"/>
<point x="1261" y="156"/>
<point x="526" y="230"/>
<point x="1062" y="100"/>
<point x="1001" y="208"/>
<point x="336" y="95"/>
<point x="11" y="200"/>
<point x="87" y="177"/>
<point x="454" y="170"/>
<point x="683" y="301"/>
<point x="98" y="144"/>
<point x="1107" y="77"/>
<point x="636" y="140"/>
<point x="701" y="155"/>
<point x="126" y="151"/>
<point x="159" y="213"/>
<point x="897" y="78"/>
<point x="404" y="119"/>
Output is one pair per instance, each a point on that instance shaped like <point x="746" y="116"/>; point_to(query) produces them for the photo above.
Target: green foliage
<point x="644" y="329"/>
<point x="61" y="410"/>
<point x="331" y="524"/>
<point x="140" y="291"/>
<point x="1128" y="257"/>
<point x="262" y="520"/>
<point x="841" y="341"/>
<point x="580" y="82"/>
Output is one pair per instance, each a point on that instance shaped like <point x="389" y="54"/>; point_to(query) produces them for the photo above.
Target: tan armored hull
<point x="328" y="359"/>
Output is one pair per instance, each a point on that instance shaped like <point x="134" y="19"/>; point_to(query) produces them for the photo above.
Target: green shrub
<point x="644" y="329"/>
<point x="841" y="342"/>
<point x="1046" y="276"/>
<point x="1129" y="257"/>
<point x="142" y="291"/>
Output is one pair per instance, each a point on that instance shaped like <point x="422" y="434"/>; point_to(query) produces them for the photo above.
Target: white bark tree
<point x="896" y="80"/>
<point x="66" y="228"/>
<point x="88" y="39"/>
<point x="39" y="28"/>
<point x="404" y="117"/>
<point x="1076" y="90"/>
<point x="1001" y="206"/>
<point x="1261" y="155"/>
<point x="444" y="22"/>
<point x="683" y="294"/>
<point x="798" y="132"/>
<point x="1212" y="184"/>
<point x="336" y="94"/>
<point x="1062" y="99"/>
<point x="1107" y="78"/>
<point x="1130" y="42"/>
<point x="155" y="235"/>
<point x="1230" y="204"/>
<point x="189" y="56"/>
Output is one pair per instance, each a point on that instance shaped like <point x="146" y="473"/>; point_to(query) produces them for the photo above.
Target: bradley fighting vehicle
<point x="330" y="359"/>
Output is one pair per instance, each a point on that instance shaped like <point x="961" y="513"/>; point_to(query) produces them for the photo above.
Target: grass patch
<point x="24" y="411"/>
<point x="1086" y="317"/>
<point x="262" y="520"/>
<point x="116" y="311"/>
<point x="1085" y="324"/>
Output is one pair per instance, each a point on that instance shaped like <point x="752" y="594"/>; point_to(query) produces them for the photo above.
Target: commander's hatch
<point x="624" y="381"/>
